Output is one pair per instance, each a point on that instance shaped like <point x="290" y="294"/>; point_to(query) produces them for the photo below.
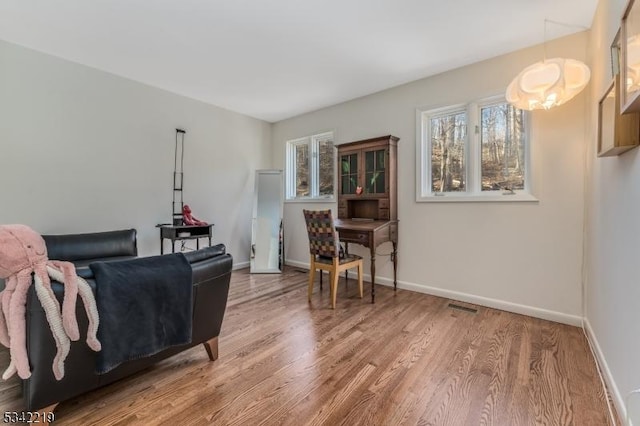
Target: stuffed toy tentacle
<point x="17" y="327"/>
<point x="52" y="312"/>
<point x="4" y="328"/>
<point x="5" y="298"/>
<point x="91" y="309"/>
<point x="65" y="273"/>
<point x="89" y="302"/>
<point x="10" y="371"/>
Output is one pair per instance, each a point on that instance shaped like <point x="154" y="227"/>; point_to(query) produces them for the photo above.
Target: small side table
<point x="179" y="233"/>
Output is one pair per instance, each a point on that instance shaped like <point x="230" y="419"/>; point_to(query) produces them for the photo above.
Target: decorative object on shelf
<point x="630" y="58"/>
<point x="23" y="253"/>
<point x="548" y="83"/>
<point x="188" y="219"/>
<point x="178" y="178"/>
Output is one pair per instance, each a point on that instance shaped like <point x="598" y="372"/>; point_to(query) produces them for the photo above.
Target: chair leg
<point x="360" y="278"/>
<point x="334" y="287"/>
<point x="312" y="273"/>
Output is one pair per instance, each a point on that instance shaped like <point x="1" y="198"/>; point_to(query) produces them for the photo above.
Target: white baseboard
<point x="503" y="305"/>
<point x="618" y="401"/>
<point x="242" y="265"/>
<point x="296" y="264"/>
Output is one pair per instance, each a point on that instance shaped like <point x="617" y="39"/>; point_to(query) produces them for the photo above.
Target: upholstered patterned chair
<point x="324" y="248"/>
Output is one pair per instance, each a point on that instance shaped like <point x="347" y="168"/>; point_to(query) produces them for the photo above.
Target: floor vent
<point x="463" y="308"/>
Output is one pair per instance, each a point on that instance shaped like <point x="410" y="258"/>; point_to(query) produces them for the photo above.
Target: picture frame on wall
<point x="616" y="55"/>
<point x="607" y="119"/>
<point x="617" y="133"/>
<point x="630" y="58"/>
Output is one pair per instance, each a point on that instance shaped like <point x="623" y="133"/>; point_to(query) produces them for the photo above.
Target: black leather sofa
<point x="211" y="269"/>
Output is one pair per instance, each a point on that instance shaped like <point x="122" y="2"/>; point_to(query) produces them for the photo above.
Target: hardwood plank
<point x="407" y="359"/>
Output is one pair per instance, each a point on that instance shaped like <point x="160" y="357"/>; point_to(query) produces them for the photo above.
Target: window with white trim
<point x="310" y="167"/>
<point x="473" y="152"/>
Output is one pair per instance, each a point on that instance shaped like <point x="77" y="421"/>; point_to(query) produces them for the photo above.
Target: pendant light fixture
<point x="548" y="83"/>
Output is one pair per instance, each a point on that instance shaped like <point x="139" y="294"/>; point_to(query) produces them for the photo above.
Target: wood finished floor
<point x="408" y="359"/>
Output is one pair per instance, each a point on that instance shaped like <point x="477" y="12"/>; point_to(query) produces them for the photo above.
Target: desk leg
<point x="209" y="240"/>
<point x="173" y="246"/>
<point x="373" y="274"/>
<point x="197" y="243"/>
<point x="395" y="265"/>
<point x="161" y="245"/>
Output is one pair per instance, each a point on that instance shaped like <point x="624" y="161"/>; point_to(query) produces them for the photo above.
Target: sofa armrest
<point x="211" y="278"/>
<point x="97" y="245"/>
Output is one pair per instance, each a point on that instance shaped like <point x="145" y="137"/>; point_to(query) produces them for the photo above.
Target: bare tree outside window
<point x="326" y="158"/>
<point x="310" y="167"/>
<point x="448" y="134"/>
<point x="490" y="135"/>
<point x="502" y="142"/>
<point x="302" y="170"/>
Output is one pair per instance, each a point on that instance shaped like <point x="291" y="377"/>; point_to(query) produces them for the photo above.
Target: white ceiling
<point x="274" y="59"/>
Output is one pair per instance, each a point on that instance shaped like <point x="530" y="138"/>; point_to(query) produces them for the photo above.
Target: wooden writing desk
<point x="370" y="234"/>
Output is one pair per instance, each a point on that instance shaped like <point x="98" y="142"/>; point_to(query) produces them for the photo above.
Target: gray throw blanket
<point x="145" y="306"/>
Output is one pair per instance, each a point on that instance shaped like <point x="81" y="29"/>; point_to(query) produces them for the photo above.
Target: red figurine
<point x="188" y="219"/>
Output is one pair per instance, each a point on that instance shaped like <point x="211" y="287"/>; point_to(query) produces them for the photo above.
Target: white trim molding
<point x="240" y="265"/>
<point x="616" y="396"/>
<point x="502" y="305"/>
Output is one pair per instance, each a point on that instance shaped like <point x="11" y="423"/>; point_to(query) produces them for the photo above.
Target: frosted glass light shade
<point x="548" y="83"/>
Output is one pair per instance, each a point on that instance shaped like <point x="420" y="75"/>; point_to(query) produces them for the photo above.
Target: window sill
<point x="491" y="198"/>
<point x="311" y="200"/>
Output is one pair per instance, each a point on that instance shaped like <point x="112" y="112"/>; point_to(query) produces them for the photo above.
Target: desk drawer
<point x="351" y="236"/>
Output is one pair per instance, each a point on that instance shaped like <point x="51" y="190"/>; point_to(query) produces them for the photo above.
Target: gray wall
<point x="82" y="150"/>
<point x="523" y="257"/>
<point x="612" y="288"/>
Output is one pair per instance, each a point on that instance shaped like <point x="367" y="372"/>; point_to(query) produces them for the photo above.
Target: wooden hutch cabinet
<point x="367" y="186"/>
<point x="368" y="196"/>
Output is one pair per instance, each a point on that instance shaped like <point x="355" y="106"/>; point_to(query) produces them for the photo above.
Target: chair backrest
<point x="323" y="239"/>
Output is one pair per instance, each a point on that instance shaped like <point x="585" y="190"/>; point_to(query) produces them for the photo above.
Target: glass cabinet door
<point x="349" y="173"/>
<point x="375" y="171"/>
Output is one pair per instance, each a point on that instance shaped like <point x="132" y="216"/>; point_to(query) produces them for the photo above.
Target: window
<point x="502" y="136"/>
<point x="310" y="167"/>
<point x="473" y="152"/>
<point x="448" y="140"/>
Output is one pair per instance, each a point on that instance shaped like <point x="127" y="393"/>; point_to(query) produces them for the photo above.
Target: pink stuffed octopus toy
<point x="22" y="253"/>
